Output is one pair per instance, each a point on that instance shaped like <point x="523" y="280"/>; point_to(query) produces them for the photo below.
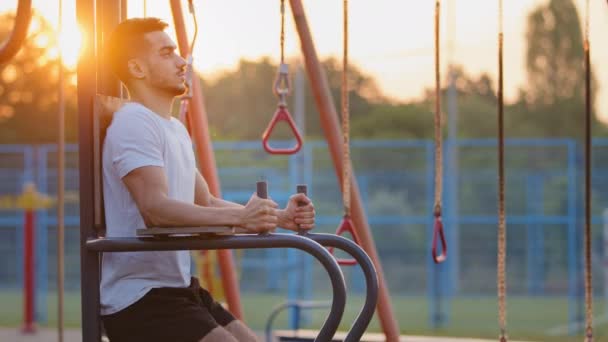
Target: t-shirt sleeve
<point x="136" y="142"/>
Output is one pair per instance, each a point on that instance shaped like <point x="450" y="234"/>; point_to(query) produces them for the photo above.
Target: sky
<point x="391" y="40"/>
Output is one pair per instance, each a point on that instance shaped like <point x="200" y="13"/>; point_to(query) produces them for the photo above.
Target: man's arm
<point x="148" y="187"/>
<point x="203" y="196"/>
<point x="293" y="217"/>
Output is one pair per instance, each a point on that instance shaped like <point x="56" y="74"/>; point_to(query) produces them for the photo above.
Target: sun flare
<point x="70" y="41"/>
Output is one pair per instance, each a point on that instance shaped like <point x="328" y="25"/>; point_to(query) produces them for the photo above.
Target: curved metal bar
<point x="22" y="22"/>
<point x="275" y="240"/>
<point x="292" y="304"/>
<point x="371" y="279"/>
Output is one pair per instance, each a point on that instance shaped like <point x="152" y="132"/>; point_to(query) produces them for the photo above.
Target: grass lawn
<point x="529" y="318"/>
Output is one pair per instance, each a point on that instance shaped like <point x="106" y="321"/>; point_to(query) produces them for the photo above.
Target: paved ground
<point x="50" y="335"/>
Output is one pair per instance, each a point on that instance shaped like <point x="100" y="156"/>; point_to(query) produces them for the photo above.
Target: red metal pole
<point x="202" y="140"/>
<point x="29" y="326"/>
<point x="331" y="128"/>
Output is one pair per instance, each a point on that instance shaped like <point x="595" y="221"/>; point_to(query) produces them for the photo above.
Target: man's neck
<point x="158" y="103"/>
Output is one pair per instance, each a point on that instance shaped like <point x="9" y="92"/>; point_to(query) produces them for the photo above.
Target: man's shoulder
<point x="132" y="111"/>
<point x="133" y="118"/>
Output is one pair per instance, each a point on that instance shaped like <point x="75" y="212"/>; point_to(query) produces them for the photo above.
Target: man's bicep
<point x="147" y="186"/>
<point x="135" y="142"/>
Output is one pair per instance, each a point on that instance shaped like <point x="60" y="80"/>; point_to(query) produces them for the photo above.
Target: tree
<point x="240" y="103"/>
<point x="553" y="98"/>
<point x="554" y="56"/>
<point x="28" y="87"/>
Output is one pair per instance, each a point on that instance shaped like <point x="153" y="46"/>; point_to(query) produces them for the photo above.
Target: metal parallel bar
<point x="89" y="260"/>
<point x="298" y="305"/>
<point x="371" y="280"/>
<point x="240" y="242"/>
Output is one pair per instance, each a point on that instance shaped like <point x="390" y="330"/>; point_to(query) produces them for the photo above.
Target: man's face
<point x="164" y="68"/>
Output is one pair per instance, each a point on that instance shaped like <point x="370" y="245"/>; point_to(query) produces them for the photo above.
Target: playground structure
<point x="91" y="135"/>
<point x="92" y="218"/>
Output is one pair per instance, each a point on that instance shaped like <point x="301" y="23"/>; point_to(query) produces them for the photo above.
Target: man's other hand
<point x="299" y="214"/>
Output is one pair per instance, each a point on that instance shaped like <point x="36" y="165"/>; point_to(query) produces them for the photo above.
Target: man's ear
<point x="136" y="68"/>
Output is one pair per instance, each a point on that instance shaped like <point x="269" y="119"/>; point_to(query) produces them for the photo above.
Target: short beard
<point x="175" y="90"/>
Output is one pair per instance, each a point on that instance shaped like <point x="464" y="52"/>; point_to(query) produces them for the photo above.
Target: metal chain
<point x="345" y="119"/>
<point x="438" y="124"/>
<point x="282" y="31"/>
<point x="588" y="274"/>
<point x="502" y="229"/>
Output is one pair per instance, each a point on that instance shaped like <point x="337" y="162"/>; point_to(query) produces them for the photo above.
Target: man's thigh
<point x="242" y="332"/>
<point x="220" y="314"/>
<point x="223" y="317"/>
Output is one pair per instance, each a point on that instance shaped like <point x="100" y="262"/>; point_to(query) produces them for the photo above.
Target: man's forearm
<point x="221" y="203"/>
<point x="172" y="213"/>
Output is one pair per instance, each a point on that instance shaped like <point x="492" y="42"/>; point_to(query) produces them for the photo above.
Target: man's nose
<point x="181" y="63"/>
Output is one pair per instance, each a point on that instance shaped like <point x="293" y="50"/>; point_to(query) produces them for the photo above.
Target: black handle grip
<point x="302" y="189"/>
<point x="262" y="189"/>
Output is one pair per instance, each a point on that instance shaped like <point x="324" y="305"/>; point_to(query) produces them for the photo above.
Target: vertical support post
<point x="432" y="269"/>
<point x="29" y="326"/>
<point x="108" y="16"/>
<point x="41" y="242"/>
<point x="204" y="150"/>
<point x="89" y="261"/>
<point x="534" y="235"/>
<point x="453" y="208"/>
<point x="573" y="260"/>
<point x="297" y="277"/>
<point x="331" y="128"/>
<point x="605" y="259"/>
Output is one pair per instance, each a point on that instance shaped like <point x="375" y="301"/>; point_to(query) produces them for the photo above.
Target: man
<point x="150" y="179"/>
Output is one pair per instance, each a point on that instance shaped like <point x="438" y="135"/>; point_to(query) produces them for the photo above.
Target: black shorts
<point x="168" y="314"/>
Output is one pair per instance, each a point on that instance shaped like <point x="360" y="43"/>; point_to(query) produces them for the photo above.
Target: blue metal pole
<point x="572" y="239"/>
<point x="42" y="228"/>
<point x="432" y="271"/>
<point x="297" y="164"/>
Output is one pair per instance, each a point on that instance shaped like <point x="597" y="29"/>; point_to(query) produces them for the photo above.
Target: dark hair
<point x="127" y="40"/>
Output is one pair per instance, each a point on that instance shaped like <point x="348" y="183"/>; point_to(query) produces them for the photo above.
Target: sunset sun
<point x="70" y="41"/>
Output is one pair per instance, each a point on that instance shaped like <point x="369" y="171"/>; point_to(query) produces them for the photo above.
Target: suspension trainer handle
<point x="438" y="235"/>
<point x="346" y="225"/>
<point x="281" y="114"/>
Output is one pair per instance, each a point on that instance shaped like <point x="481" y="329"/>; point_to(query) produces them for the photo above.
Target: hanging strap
<point x="502" y="229"/>
<point x="588" y="274"/>
<point x="282" y="88"/>
<point x="346" y="225"/>
<point x="438" y="234"/>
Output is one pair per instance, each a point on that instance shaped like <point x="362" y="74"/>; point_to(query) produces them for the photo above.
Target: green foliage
<point x="28" y="87"/>
<point x="394" y="121"/>
<point x="552" y="103"/>
<point x="240" y="103"/>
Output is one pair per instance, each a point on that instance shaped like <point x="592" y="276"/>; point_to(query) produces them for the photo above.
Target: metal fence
<point x="544" y="215"/>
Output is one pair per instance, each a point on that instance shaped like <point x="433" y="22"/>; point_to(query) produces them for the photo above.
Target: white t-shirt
<point x="138" y="137"/>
